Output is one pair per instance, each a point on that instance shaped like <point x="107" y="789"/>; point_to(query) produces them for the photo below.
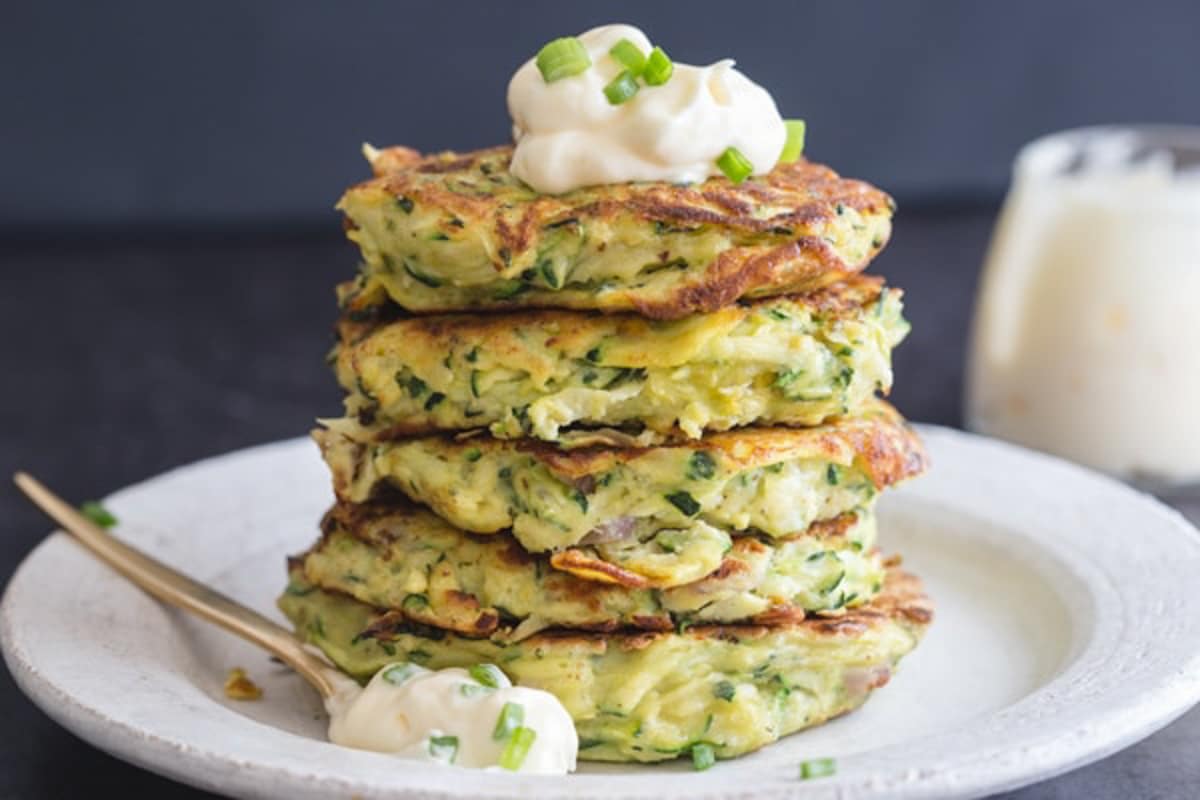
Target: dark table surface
<point x="130" y="355"/>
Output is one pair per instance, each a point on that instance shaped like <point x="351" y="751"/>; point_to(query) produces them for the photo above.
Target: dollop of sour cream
<point x="453" y="716"/>
<point x="568" y="135"/>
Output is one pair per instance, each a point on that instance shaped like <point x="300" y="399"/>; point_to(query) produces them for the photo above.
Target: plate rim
<point x="1157" y="706"/>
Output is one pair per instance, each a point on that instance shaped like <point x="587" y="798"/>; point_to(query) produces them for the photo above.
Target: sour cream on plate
<point x="469" y="718"/>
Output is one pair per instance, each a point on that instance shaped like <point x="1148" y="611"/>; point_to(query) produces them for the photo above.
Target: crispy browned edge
<point x="811" y="193"/>
<point x="462" y="613"/>
<point x="888" y="448"/>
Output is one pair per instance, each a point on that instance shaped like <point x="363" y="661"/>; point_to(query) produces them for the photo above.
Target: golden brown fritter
<point x="456" y="231"/>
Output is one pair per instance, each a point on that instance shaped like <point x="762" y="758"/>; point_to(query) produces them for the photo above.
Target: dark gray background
<point x="168" y="248"/>
<point x="246" y="113"/>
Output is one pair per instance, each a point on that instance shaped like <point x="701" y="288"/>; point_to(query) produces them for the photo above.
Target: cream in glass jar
<point x="1087" y="333"/>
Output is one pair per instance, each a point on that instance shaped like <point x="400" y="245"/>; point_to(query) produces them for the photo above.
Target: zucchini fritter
<point x="457" y="231"/>
<point x="652" y="696"/>
<point x="777" y="481"/>
<point x="785" y="361"/>
<point x="409" y="561"/>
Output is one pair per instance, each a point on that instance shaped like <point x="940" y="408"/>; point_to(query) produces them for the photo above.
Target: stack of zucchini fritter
<point x="624" y="443"/>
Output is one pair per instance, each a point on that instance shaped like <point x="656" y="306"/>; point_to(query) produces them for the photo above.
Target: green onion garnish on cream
<point x="622" y="88"/>
<point x="512" y="717"/>
<point x="562" y="58"/>
<point x="517" y="748"/>
<point x="629" y="56"/>
<point x="735" y="165"/>
<point x="794" y="145"/>
<point x="658" y="68"/>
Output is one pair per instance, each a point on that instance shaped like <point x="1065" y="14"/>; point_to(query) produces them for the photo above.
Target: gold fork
<point x="177" y="589"/>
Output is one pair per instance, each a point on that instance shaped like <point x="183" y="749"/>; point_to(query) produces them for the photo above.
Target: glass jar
<point x="1086" y="340"/>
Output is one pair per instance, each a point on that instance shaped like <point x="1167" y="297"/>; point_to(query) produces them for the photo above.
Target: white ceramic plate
<point x="1068" y="626"/>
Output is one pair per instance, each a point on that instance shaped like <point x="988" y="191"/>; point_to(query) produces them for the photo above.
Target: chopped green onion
<point x="684" y="502"/>
<point x="444" y="748"/>
<point x="399" y="674"/>
<point x="793" y="146"/>
<point x="562" y="58"/>
<point x="474" y="454"/>
<point x="512" y="717"/>
<point x="703" y="756"/>
<point x="517" y="748"/>
<point x="701" y="465"/>
<point x="817" y="768"/>
<point x="622" y="88"/>
<point x="415" y="386"/>
<point x="725" y="690"/>
<point x="97" y="514"/>
<point x="832" y="475"/>
<point x="490" y="676"/>
<point x="658" y="68"/>
<point x="629" y="56"/>
<point x="735" y="165"/>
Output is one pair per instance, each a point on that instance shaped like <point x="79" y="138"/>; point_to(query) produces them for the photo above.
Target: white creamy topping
<point x="450" y="717"/>
<point x="568" y="135"/>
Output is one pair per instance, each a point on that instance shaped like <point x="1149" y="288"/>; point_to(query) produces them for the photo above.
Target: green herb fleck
<point x="703" y="756"/>
<point x="684" y="502"/>
<point x="414" y="385"/>
<point x="625" y="375"/>
<point x="836" y="583"/>
<point x="473" y="455"/>
<point x="433" y="400"/>
<point x="817" y="768"/>
<point x="419" y="276"/>
<point x="98" y="514"/>
<point x="549" y="274"/>
<point x="832" y="474"/>
<point x="580" y="500"/>
<point x="725" y="690"/>
<point x="405" y="204"/>
<point x="701" y="466"/>
<point x="415" y="602"/>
